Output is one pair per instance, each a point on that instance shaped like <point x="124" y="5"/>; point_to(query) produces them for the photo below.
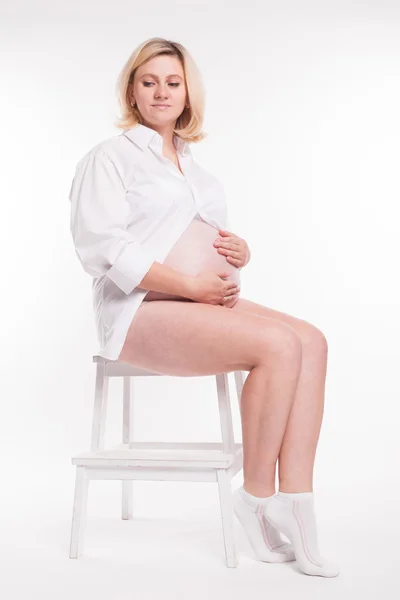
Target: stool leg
<point x="239" y="382"/>
<point x="127" y="435"/>
<point x="99" y="408"/>
<point x="228" y="519"/>
<point x="127" y="499"/>
<point x="79" y="513"/>
<point x="225" y="413"/>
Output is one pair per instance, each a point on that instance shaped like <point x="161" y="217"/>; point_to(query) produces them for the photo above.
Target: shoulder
<point x="113" y="149"/>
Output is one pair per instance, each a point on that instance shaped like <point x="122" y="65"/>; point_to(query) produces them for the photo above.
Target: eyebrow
<point x="156" y="77"/>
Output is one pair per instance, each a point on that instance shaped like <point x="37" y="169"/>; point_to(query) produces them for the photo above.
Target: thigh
<point x="307" y="332"/>
<point x="191" y="338"/>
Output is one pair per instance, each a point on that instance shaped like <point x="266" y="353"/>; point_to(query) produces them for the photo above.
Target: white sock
<point x="294" y="515"/>
<point x="265" y="540"/>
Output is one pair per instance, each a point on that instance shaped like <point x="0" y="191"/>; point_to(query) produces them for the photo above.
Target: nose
<point x="162" y="93"/>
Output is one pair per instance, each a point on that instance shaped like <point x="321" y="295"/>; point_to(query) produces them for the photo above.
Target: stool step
<point x="159" y="454"/>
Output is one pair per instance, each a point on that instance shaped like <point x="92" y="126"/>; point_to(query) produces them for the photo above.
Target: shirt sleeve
<point x="99" y="216"/>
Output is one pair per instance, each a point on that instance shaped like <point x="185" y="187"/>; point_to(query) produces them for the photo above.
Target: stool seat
<point x="170" y="454"/>
<point x="155" y="461"/>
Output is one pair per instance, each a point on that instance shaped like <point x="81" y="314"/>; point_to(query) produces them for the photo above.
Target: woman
<point x="150" y="225"/>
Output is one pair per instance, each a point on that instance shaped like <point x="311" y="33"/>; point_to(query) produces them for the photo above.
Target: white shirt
<point x="129" y="205"/>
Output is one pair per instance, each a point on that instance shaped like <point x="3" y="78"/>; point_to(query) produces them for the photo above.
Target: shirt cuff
<point x="130" y="266"/>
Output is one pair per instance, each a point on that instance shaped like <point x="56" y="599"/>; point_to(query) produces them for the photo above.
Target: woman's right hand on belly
<point x="211" y="288"/>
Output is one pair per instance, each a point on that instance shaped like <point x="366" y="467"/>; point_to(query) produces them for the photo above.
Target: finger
<point x="230" y="293"/>
<point x="231" y="289"/>
<point x="227" y="299"/>
<point x="228" y="252"/>
<point x="231" y="284"/>
<point x="235" y="261"/>
<point x="227" y="243"/>
<point x="228" y="246"/>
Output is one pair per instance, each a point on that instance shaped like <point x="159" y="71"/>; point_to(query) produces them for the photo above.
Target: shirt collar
<point x="142" y="135"/>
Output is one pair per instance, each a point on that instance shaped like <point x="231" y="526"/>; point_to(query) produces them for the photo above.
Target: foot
<point x="264" y="538"/>
<point x="294" y="515"/>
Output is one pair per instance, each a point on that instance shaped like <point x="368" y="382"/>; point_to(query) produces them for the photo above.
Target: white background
<point x="303" y="121"/>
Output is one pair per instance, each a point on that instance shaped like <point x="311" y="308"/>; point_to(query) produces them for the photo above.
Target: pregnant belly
<point x="194" y="253"/>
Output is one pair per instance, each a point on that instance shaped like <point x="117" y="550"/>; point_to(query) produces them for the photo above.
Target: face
<point x="161" y="80"/>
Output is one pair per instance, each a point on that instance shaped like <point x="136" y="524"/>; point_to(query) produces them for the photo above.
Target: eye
<point x="148" y="83"/>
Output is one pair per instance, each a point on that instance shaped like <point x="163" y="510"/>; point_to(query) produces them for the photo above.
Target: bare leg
<point x="266" y="403"/>
<point x="189" y="338"/>
<point x="299" y="445"/>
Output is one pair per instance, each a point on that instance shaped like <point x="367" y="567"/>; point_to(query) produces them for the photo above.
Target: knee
<point x="314" y="340"/>
<point x="283" y="343"/>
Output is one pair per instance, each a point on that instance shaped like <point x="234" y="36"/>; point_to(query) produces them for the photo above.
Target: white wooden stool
<point x="155" y="461"/>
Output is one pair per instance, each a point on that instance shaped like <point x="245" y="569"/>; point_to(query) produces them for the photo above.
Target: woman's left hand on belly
<point x="234" y="248"/>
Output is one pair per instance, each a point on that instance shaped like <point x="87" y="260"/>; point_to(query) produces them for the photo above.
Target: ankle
<point x="301" y="489"/>
<point x="260" y="491"/>
<point x="295" y="488"/>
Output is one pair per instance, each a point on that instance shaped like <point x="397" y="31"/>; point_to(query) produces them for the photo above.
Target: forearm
<point x="161" y="278"/>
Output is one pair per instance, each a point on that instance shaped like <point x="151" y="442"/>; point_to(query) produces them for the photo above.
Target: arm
<point x="161" y="278"/>
<point x="99" y="213"/>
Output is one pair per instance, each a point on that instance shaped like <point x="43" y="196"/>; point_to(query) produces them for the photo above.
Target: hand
<point x="212" y="288"/>
<point x="234" y="248"/>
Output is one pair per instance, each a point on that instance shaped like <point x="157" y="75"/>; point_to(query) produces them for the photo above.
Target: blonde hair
<point x="188" y="125"/>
